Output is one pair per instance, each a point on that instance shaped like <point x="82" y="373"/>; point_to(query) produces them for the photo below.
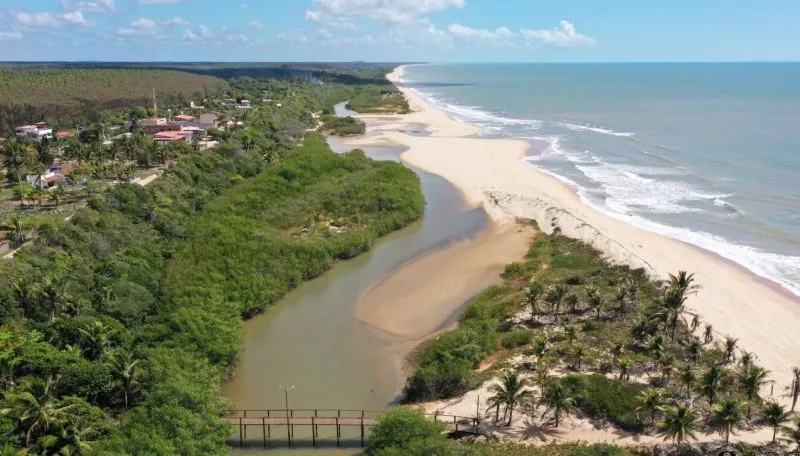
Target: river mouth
<point x="312" y="340"/>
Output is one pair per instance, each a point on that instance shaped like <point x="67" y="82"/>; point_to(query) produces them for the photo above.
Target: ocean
<point x="708" y="153"/>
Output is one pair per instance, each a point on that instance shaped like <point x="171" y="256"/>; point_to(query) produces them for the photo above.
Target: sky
<point x="400" y="30"/>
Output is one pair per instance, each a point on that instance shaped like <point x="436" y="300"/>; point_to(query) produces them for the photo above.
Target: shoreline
<point x="490" y="173"/>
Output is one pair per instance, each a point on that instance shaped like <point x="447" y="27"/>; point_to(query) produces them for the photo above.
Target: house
<point x="166" y="137"/>
<point x="206" y="144"/>
<point x="193" y="133"/>
<point x="208" y="120"/>
<point x="64" y="134"/>
<point x="37" y="132"/>
<point x="54" y="176"/>
<point x="153" y="128"/>
<point x="183" y="119"/>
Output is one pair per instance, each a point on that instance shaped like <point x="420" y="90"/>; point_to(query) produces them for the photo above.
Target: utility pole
<point x="288" y="426"/>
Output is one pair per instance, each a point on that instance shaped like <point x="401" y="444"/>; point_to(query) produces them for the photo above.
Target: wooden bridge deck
<point x="313" y="419"/>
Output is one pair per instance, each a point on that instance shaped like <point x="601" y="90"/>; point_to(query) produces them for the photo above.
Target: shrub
<point x="604" y="398"/>
<point x="517" y="338"/>
<point x="400" y="428"/>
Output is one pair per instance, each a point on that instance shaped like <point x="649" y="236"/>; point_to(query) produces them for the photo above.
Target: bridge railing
<point x="305" y="413"/>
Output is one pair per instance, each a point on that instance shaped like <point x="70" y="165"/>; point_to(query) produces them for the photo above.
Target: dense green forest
<point x="118" y="326"/>
<point x="68" y="96"/>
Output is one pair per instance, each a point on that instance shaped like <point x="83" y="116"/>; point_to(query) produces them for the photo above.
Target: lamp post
<point x="288" y="426"/>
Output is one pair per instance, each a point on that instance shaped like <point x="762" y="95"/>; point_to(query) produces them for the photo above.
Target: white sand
<point x="490" y="173"/>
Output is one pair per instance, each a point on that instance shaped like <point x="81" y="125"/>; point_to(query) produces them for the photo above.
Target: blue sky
<point x="400" y="30"/>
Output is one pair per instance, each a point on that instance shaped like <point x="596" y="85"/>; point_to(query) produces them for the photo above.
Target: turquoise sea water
<point x="705" y="153"/>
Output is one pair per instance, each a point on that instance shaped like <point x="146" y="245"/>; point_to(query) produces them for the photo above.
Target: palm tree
<point x="556" y="297"/>
<point x="533" y="294"/>
<point x="597" y="302"/>
<point x="572" y="302"/>
<point x="539" y="347"/>
<point x="667" y="361"/>
<point x="746" y="360"/>
<point x="673" y="306"/>
<point x="124" y="368"/>
<point x="72" y="439"/>
<point x="25" y="292"/>
<point x="708" y="334"/>
<point x="688" y="378"/>
<point x="511" y="391"/>
<point x="96" y="339"/>
<point x="617" y="350"/>
<point x="32" y="405"/>
<point x="579" y="352"/>
<point x="774" y="415"/>
<point x="50" y="292"/>
<point x="795" y="389"/>
<point x="651" y="401"/>
<point x="570" y="333"/>
<point x="57" y="195"/>
<point x="695" y="322"/>
<point x="694" y="349"/>
<point x="726" y="418"/>
<point x="679" y="423"/>
<point x="792" y="433"/>
<point x="683" y="282"/>
<point x="730" y="349"/>
<point x="624" y="365"/>
<point x="560" y="399"/>
<point x="711" y="383"/>
<point x="16" y="236"/>
<point x="751" y="379"/>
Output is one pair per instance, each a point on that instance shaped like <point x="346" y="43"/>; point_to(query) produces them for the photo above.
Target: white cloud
<point x="564" y="35"/>
<point x="90" y="6"/>
<point x="256" y="24"/>
<point x="10" y="34"/>
<point x="294" y="36"/>
<point x="148" y="27"/>
<point x="49" y="20"/>
<point x="191" y="36"/>
<point x="499" y="34"/>
<point x="237" y="38"/>
<point x="389" y="11"/>
<point x="160" y="2"/>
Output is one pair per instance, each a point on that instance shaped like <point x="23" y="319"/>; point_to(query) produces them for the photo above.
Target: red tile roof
<point x="65" y="134"/>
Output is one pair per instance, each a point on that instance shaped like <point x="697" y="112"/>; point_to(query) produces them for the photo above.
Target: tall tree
<point x="34" y="407"/>
<point x="555" y="297"/>
<point x="560" y="399"/>
<point x="751" y="379"/>
<point x="730" y="349"/>
<point x="533" y="295"/>
<point x="726" y="418"/>
<point x="774" y="415"/>
<point x="684" y="282"/>
<point x="512" y="390"/>
<point x="597" y="302"/>
<point x="651" y="401"/>
<point x="711" y="383"/>
<point x="125" y="370"/>
<point x="679" y="423"/>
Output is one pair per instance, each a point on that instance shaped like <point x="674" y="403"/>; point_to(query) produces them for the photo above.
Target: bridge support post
<point x="338" y="433"/>
<point x="241" y="439"/>
<point x="362" y="430"/>
<point x="313" y="433"/>
<point x="264" y="430"/>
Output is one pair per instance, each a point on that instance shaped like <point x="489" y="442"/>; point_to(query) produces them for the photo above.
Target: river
<point x="312" y="341"/>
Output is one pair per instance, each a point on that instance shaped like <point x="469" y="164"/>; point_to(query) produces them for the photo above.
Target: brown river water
<point x="311" y="339"/>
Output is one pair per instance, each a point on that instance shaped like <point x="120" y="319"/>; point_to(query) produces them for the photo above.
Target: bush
<point x="343" y="126"/>
<point x="400" y="429"/>
<point x="517" y="338"/>
<point x="611" y="399"/>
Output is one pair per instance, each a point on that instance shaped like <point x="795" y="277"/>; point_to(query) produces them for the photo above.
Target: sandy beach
<point x="491" y="174"/>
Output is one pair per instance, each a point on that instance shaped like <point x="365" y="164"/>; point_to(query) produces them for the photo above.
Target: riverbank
<point x="490" y="173"/>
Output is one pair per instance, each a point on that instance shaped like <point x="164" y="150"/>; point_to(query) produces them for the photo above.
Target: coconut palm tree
<point x="533" y="295"/>
<point x="512" y="390"/>
<point x="572" y="302"/>
<point x="555" y="297"/>
<point x="751" y="379"/>
<point x="96" y="340"/>
<point x="33" y="406"/>
<point x="694" y="349"/>
<point x="667" y="361"/>
<point x="624" y="365"/>
<point x="570" y="333"/>
<point x="539" y="347"/>
<point x="730" y="349"/>
<point x="124" y="369"/>
<point x="617" y="350"/>
<point x="579" y="352"/>
<point x="679" y="423"/>
<point x="746" y="360"/>
<point x="708" y="334"/>
<point x="651" y="401"/>
<point x="687" y="377"/>
<point x="726" y="418"/>
<point x="774" y="415"/>
<point x="596" y="302"/>
<point x="57" y="195"/>
<point x="792" y="433"/>
<point x="560" y="399"/>
<point x="26" y="293"/>
<point x="672" y="309"/>
<point x="683" y="282"/>
<point x="72" y="439"/>
<point x="795" y="388"/>
<point x="16" y="235"/>
<point x="711" y="383"/>
<point x="655" y="345"/>
<point x="695" y="322"/>
<point x="50" y="291"/>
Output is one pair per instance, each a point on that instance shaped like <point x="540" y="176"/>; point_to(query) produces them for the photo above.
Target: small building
<point x="206" y="144"/>
<point x="183" y="119"/>
<point x="54" y="176"/>
<point x="208" y="120"/>
<point x="161" y="127"/>
<point x="64" y="134"/>
<point x="167" y="137"/>
<point x="193" y="133"/>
